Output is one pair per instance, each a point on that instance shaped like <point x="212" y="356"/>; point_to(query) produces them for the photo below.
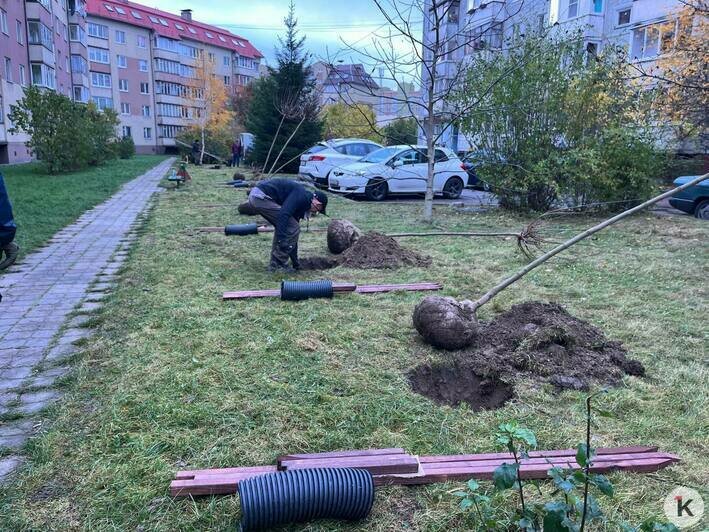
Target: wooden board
<point x="534" y="454"/>
<point x="342" y="454"/>
<point x="360" y="289"/>
<point x="390" y="464"/>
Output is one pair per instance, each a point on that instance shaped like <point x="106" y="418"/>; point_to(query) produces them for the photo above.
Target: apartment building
<point x="490" y="26"/>
<point x="121" y="55"/>
<point x="37" y="47"/>
<point x="143" y="63"/>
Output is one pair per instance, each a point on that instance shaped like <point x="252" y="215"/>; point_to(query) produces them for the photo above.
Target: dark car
<point x="693" y="200"/>
<point x="474" y="160"/>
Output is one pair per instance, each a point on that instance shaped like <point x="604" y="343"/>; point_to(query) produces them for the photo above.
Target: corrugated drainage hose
<point x="241" y="229"/>
<point x="299" y="290"/>
<point x="303" y="495"/>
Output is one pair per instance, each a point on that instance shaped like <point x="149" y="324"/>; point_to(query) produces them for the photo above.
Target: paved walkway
<point x="68" y="277"/>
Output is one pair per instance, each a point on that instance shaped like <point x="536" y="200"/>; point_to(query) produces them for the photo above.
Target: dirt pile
<point x="371" y="251"/>
<point x="532" y="341"/>
<point x="341" y="235"/>
<point x="375" y="250"/>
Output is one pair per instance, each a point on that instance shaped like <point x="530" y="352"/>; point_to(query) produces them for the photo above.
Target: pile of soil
<point x="371" y="251"/>
<point x="533" y="341"/>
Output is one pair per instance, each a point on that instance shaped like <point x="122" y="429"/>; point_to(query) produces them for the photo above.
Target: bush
<point x="401" y="131"/>
<point x="126" y="148"/>
<point x="64" y="135"/>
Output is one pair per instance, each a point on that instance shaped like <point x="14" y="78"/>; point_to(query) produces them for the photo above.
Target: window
<point x="221" y="38"/>
<point x="209" y="35"/>
<point x="122" y="61"/>
<point x="108" y="7"/>
<point x="40" y="34"/>
<point x="227" y="60"/>
<point x="43" y="75"/>
<point x="102" y="102"/>
<point x="77" y="33"/>
<point x="247" y="62"/>
<point x="136" y="15"/>
<point x="99" y="79"/>
<point x="598" y="6"/>
<point x="2" y="112"/>
<point x="81" y="94"/>
<point x="439" y="156"/>
<point x="147" y="132"/>
<point x="646" y="42"/>
<point x="163" y="22"/>
<point x="142" y="65"/>
<point x="126" y="132"/>
<point x="120" y="10"/>
<point x="191" y="30"/>
<point x="23" y="77"/>
<point x="120" y="37"/>
<point x="623" y="17"/>
<point x="99" y="55"/>
<point x="485" y="37"/>
<point x="97" y="30"/>
<point x="123" y="85"/>
<point x="153" y="19"/>
<point x="125" y="108"/>
<point x="165" y="44"/>
<point x="145" y="110"/>
<point x="144" y="88"/>
<point x="141" y="41"/>
<point x="573" y="9"/>
<point x="169" y="109"/>
<point x="227" y="80"/>
<point x="211" y="56"/>
<point x="79" y="65"/>
<point x="3" y="22"/>
<point x="179" y="26"/>
<point x="19" y="32"/>
<point x="8" y="69"/>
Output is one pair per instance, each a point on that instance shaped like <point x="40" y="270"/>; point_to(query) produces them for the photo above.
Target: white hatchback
<point x="317" y="163"/>
<point x="400" y="170"/>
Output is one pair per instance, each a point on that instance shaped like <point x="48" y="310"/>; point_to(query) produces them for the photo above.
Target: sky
<point x="324" y="23"/>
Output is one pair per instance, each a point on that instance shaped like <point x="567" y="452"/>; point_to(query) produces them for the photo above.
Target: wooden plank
<point x="376" y="465"/>
<point x="342" y="454"/>
<point x="224" y="471"/>
<point x="530" y="471"/>
<point x="409" y="287"/>
<point x="534" y="454"/>
<point x="247" y="294"/>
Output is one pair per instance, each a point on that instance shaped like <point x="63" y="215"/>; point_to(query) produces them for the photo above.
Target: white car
<point x="317" y="163"/>
<point x="400" y="170"/>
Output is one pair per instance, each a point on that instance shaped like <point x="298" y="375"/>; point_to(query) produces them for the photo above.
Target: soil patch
<point x="452" y="384"/>
<point x="371" y="251"/>
<point x="534" y="341"/>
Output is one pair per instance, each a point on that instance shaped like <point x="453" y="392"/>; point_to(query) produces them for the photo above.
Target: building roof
<point x="350" y="75"/>
<point x="170" y="25"/>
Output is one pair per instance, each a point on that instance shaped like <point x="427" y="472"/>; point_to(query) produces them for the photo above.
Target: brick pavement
<point x="72" y="273"/>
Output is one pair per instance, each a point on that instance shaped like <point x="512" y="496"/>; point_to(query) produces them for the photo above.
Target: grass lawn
<point x="176" y="378"/>
<point x="43" y="204"/>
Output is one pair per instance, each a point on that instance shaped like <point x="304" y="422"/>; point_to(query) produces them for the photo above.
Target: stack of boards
<point x="396" y="466"/>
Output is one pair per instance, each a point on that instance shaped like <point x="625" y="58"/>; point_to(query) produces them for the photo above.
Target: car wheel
<point x="702" y="210"/>
<point x="453" y="188"/>
<point x="376" y="190"/>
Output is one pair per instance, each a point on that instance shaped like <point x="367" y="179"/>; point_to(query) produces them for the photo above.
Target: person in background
<point x="284" y="203"/>
<point x="7" y="229"/>
<point x="237" y="152"/>
<point x="195" y="152"/>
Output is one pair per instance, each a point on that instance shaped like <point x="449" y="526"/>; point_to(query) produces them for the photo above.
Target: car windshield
<point x="380" y="155"/>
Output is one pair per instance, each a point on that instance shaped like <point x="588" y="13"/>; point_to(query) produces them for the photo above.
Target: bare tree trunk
<point x="201" y="155"/>
<point x="588" y="232"/>
<point x="430" y="150"/>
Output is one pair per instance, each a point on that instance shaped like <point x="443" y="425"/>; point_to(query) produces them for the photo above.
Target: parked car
<point x="317" y="163"/>
<point x="474" y="160"/>
<point x="693" y="200"/>
<point x="400" y="170"/>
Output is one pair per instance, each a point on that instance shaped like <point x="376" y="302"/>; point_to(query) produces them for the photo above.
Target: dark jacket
<point x="237" y="149"/>
<point x="294" y="199"/>
<point x="7" y="223"/>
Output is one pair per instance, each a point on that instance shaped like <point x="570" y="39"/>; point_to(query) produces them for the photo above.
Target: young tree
<point x="209" y="98"/>
<point x="566" y="125"/>
<point x="284" y="112"/>
<point x="400" y="131"/>
<point x="341" y="121"/>
<point x="681" y="72"/>
<point x="432" y="59"/>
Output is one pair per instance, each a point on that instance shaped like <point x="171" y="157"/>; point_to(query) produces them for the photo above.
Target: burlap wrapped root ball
<point x="445" y="323"/>
<point x="341" y="235"/>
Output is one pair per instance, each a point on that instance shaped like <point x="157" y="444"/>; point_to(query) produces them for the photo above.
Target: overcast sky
<point x="325" y="23"/>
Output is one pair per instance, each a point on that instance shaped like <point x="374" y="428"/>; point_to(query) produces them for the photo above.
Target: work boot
<point x="275" y="267"/>
<point x="294" y="257"/>
<point x="11" y="250"/>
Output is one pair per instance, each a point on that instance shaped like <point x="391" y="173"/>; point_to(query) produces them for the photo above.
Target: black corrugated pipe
<point x="299" y="290"/>
<point x="302" y="495"/>
<point x="241" y="229"/>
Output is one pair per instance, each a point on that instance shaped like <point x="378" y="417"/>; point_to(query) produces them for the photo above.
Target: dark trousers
<point x="7" y="235"/>
<point x="235" y="160"/>
<point x="270" y="209"/>
<point x="7" y="224"/>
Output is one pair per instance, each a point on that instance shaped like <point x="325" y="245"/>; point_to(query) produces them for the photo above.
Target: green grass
<point x="43" y="204"/>
<point x="176" y="378"/>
